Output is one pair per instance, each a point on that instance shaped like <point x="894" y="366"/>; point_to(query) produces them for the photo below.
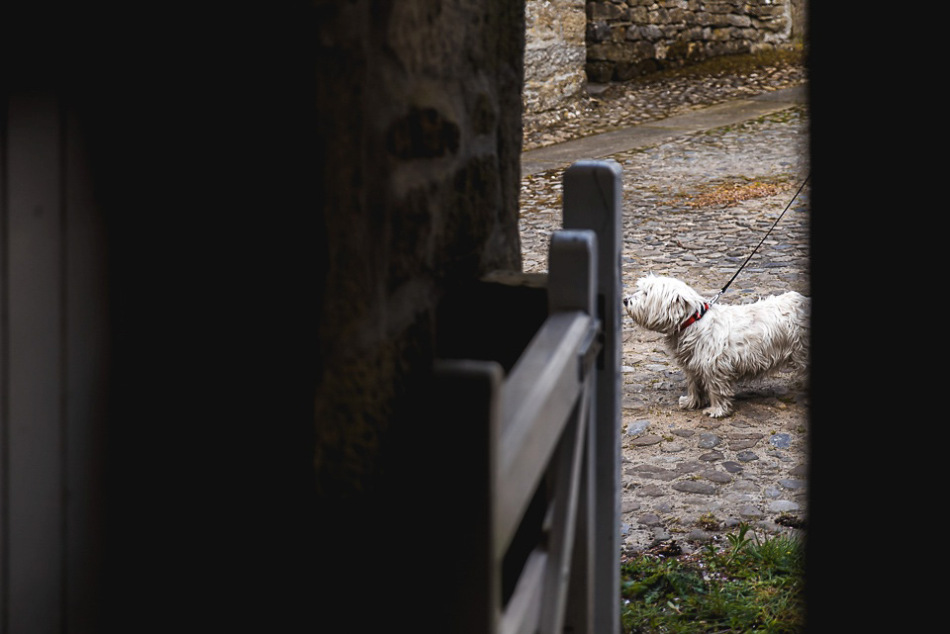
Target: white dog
<point x="718" y="345"/>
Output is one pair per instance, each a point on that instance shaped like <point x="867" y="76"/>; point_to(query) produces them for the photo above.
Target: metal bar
<point x="544" y="384"/>
<point x="572" y="271"/>
<point x="33" y="550"/>
<point x="523" y="612"/>
<point x="592" y="200"/>
<point x="572" y="284"/>
<point x="536" y="400"/>
<point x="567" y="489"/>
<point x="579" y="608"/>
<point x="538" y="420"/>
<point x="474" y="572"/>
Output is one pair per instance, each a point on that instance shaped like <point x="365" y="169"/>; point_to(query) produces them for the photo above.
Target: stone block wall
<point x="555" y="52"/>
<point x="419" y="133"/>
<point x="571" y="42"/>
<point x="628" y="38"/>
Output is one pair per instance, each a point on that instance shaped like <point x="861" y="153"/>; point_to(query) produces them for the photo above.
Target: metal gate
<point x="546" y="435"/>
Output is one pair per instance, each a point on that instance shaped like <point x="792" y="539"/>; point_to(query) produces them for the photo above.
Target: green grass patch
<point x="750" y="585"/>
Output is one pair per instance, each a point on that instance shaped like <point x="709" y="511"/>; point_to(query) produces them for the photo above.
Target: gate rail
<point x="549" y="430"/>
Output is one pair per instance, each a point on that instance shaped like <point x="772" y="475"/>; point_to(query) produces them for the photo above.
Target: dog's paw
<point x="717" y="412"/>
<point x="690" y="402"/>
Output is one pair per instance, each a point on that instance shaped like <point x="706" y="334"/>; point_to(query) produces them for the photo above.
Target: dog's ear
<point x="686" y="309"/>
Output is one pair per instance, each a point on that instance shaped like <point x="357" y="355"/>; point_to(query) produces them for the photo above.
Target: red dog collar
<point x="695" y="316"/>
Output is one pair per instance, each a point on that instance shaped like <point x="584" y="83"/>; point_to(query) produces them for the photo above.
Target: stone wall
<point x="571" y="42"/>
<point x="555" y="52"/>
<point x="419" y="131"/>
<point x="627" y="38"/>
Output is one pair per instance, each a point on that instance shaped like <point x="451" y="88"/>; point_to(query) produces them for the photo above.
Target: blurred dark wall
<point x="282" y="194"/>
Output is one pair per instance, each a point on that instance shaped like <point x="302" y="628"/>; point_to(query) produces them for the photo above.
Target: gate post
<point x="592" y="197"/>
<point x="572" y="285"/>
<point x="462" y="493"/>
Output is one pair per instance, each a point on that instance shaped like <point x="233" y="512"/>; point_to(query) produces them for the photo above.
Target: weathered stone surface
<point x="694" y="486"/>
<point x="571" y="42"/>
<point x="650" y="439"/>
<point x="717" y="476"/>
<point x="556" y="32"/>
<point x="637" y="427"/>
<point x="420" y="134"/>
<point x="676" y="32"/>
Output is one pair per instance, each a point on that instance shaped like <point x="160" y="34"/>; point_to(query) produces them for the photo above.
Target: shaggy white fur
<point x="718" y="345"/>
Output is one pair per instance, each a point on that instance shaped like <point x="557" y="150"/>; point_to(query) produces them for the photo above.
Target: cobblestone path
<point x="695" y="208"/>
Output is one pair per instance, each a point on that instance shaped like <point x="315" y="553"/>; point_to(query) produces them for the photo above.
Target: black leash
<point x="719" y="294"/>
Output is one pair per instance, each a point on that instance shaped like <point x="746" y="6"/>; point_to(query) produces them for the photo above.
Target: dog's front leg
<point x="695" y="391"/>
<point x="720" y="400"/>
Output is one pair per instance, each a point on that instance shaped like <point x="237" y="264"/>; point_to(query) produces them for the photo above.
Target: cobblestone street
<point x="695" y="207"/>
